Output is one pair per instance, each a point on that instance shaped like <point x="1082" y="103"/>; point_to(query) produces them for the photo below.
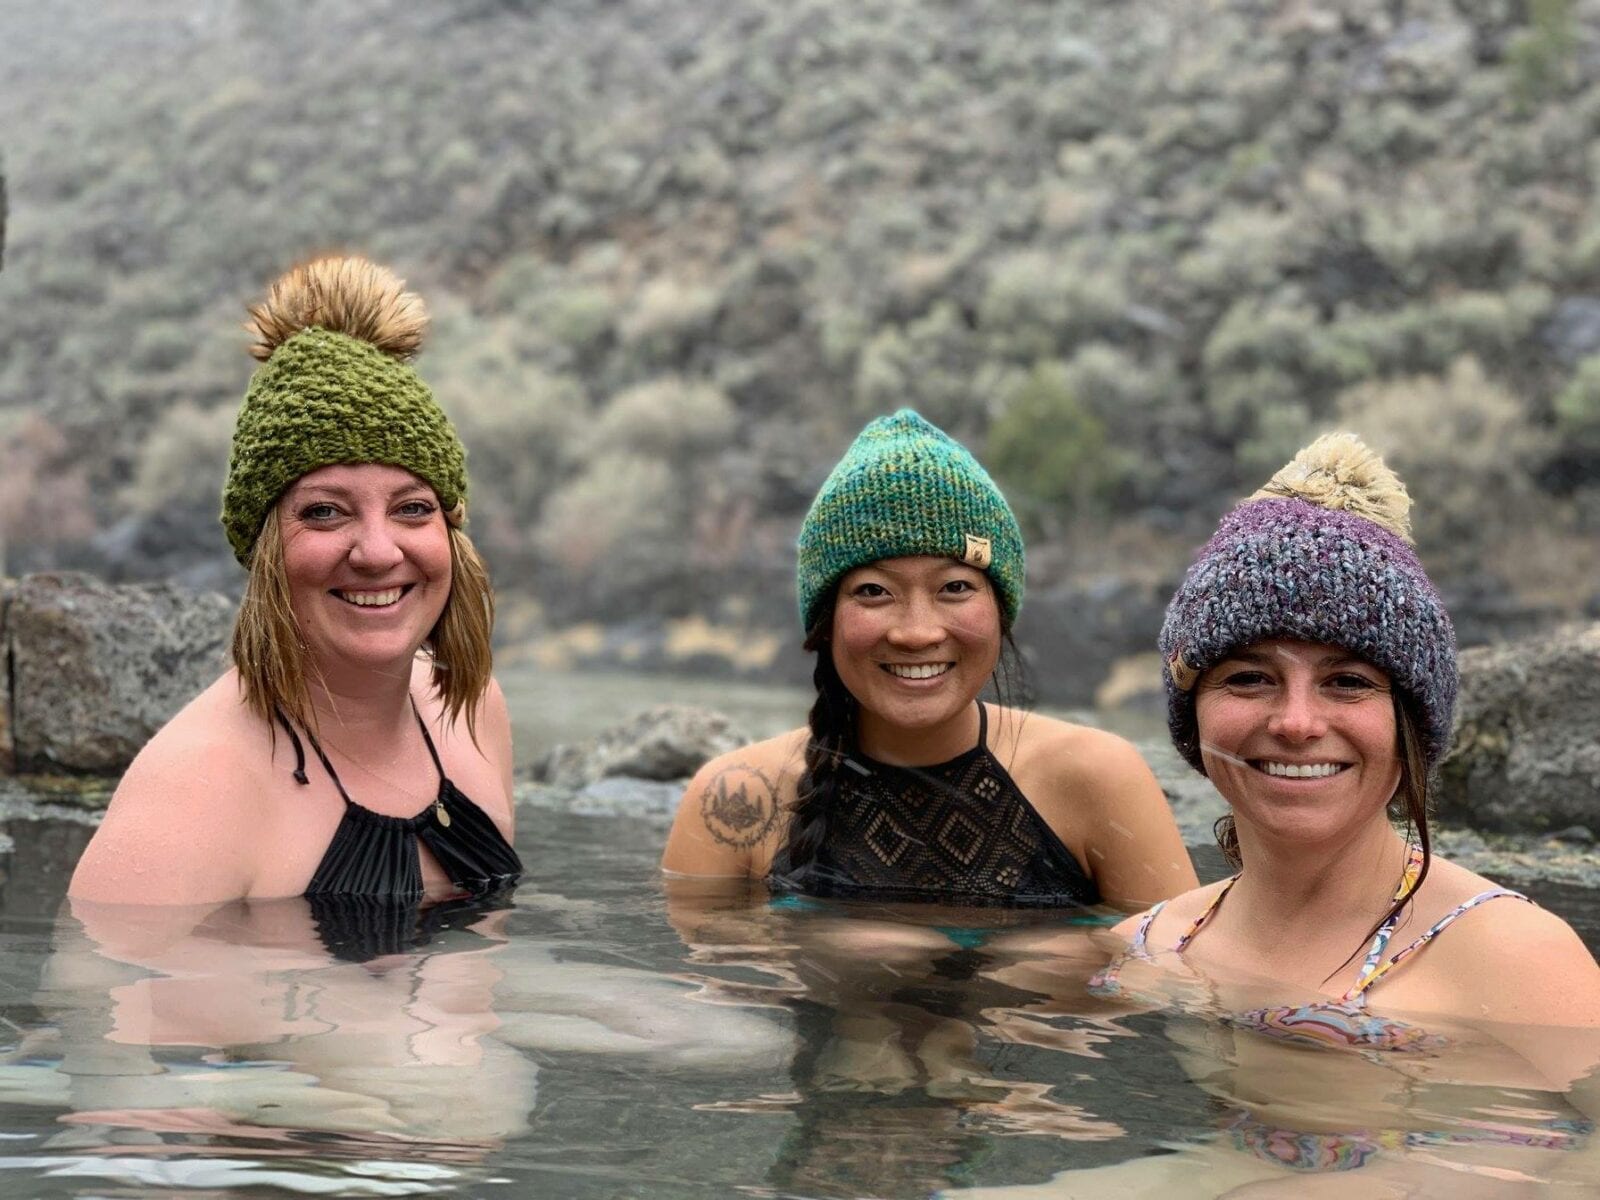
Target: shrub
<point x="1541" y="57"/>
<point x="674" y="420"/>
<point x="936" y="364"/>
<point x="1577" y="406"/>
<point x="665" y="315"/>
<point x="1467" y="452"/>
<point x="1037" y="304"/>
<point x="1049" y="450"/>
<point x="183" y="460"/>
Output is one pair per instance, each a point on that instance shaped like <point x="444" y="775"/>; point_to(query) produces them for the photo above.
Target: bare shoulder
<point x="1503" y="925"/>
<point x="1077" y="756"/>
<point x="1104" y="803"/>
<point x="763" y="775"/>
<point x="1176" y="915"/>
<point x="732" y="812"/>
<point x="213" y="749"/>
<point x="1510" y="959"/>
<point x="183" y="818"/>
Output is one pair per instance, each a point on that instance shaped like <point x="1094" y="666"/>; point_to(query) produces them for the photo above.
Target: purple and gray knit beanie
<point x="1321" y="554"/>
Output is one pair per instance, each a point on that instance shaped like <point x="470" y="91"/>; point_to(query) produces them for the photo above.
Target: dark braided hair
<point x="832" y="724"/>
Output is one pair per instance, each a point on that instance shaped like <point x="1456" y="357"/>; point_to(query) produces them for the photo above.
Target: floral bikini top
<point x="1344" y="1022"/>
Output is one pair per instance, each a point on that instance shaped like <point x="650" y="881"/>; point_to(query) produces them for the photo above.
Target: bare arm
<point x="178" y="830"/>
<point x="494" y="736"/>
<point x="728" y="817"/>
<point x="1132" y="845"/>
<point x="1527" y="977"/>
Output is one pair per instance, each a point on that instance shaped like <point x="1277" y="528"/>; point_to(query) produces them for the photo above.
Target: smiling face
<point x="914" y="640"/>
<point x="367" y="555"/>
<point x="1299" y="738"/>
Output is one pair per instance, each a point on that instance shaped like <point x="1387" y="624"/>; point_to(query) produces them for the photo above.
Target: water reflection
<point x="258" y="1023"/>
<point x="1481" y="1117"/>
<point x="897" y="1090"/>
<point x="370" y="1052"/>
<point x="585" y="1038"/>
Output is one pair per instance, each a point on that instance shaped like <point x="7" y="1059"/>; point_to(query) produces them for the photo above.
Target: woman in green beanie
<point x="363" y="633"/>
<point x="905" y="785"/>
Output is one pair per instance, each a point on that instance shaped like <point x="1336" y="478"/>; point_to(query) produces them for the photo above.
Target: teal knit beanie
<point x="905" y="487"/>
<point x="334" y="388"/>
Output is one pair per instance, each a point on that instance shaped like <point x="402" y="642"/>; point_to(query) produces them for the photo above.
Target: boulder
<point x="1526" y="757"/>
<point x="668" y="742"/>
<point x="96" y="668"/>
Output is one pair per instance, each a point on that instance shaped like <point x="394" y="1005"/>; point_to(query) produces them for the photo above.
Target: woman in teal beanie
<point x="363" y="634"/>
<point x="905" y="785"/>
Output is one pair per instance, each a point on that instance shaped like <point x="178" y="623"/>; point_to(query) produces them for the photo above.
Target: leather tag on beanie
<point x="1184" y="677"/>
<point x="978" y="553"/>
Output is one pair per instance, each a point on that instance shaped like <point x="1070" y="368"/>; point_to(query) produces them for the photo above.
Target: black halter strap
<point x="300" y="753"/>
<point x="299" y="750"/>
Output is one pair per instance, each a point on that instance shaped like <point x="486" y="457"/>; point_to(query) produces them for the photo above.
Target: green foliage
<point x="1577" y="406"/>
<point x="677" y="421"/>
<point x="1173" y="245"/>
<point x="1048" y="450"/>
<point x="183" y="461"/>
<point x="1038" y="304"/>
<point x="1464" y="444"/>
<point x="935" y="365"/>
<point x="1542" y="57"/>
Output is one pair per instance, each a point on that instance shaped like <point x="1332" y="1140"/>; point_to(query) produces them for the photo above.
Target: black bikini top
<point x="373" y="855"/>
<point x="960" y="832"/>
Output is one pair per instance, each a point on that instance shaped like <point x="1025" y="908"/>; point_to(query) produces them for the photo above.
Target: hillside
<point x="678" y="253"/>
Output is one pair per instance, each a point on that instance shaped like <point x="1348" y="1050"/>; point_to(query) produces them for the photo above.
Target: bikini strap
<point x="1439" y="927"/>
<point x="299" y="750"/>
<point x="426" y="740"/>
<point x="1409" y="875"/>
<point x="1142" y="933"/>
<point x="328" y="766"/>
<point x="1182" y="943"/>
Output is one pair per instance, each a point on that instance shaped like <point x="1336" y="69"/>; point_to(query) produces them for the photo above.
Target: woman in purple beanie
<point x="1311" y="675"/>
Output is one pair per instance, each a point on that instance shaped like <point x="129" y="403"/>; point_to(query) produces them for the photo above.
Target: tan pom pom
<point x="346" y="295"/>
<point x="1339" y="471"/>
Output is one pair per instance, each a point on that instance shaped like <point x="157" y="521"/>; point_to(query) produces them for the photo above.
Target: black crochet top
<point x="960" y="832"/>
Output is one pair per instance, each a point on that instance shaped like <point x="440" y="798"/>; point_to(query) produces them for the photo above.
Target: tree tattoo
<point x="739" y="806"/>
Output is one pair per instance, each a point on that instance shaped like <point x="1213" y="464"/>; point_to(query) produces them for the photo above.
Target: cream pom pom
<point x="1339" y="471"/>
<point x="347" y="295"/>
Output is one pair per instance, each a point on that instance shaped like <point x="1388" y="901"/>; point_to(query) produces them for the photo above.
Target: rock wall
<point x="1527" y="747"/>
<point x="91" y="670"/>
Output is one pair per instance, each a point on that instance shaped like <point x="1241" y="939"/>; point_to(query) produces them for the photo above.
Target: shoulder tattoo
<point x="739" y="806"/>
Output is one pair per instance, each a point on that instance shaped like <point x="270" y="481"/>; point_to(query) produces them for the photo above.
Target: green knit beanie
<point x="906" y="487"/>
<point x="334" y="389"/>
